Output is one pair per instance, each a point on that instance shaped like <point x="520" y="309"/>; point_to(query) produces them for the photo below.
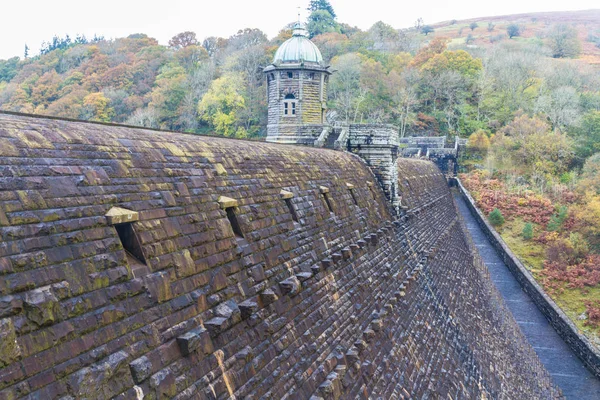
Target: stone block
<point x="247" y="308"/>
<point x="284" y="195"/>
<point x="118" y="215"/>
<point x="9" y="349"/>
<point x="216" y="325"/>
<point x="140" y="369"/>
<point x="10" y="305"/>
<point x="41" y="306"/>
<point x="267" y="297"/>
<point x="303" y="276"/>
<point x="227" y="202"/>
<point x="195" y="340"/>
<point x="290" y="285"/>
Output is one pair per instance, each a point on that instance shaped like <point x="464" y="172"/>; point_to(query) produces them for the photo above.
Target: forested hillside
<point x="422" y="79"/>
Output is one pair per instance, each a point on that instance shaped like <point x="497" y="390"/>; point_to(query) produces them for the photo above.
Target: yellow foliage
<point x="479" y="141"/>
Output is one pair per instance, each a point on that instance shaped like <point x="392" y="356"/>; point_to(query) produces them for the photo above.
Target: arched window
<point x="290" y="96"/>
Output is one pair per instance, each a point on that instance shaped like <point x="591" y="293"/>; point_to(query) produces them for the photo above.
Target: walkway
<point x="567" y="371"/>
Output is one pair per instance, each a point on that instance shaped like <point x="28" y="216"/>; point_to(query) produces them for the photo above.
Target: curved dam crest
<point x="137" y="263"/>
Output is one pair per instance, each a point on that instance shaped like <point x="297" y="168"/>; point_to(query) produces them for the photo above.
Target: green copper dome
<point x="298" y="49"/>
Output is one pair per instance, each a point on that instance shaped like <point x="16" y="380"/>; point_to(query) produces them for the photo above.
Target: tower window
<point x="289" y="106"/>
<point x="290" y="75"/>
<point x="312" y="75"/>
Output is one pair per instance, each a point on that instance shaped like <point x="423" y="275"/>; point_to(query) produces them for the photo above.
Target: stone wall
<point x="342" y="304"/>
<point x="580" y="345"/>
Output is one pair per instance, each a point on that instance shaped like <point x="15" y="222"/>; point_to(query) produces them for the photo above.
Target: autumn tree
<point x="183" y="39"/>
<point x="590" y="175"/>
<point x="479" y="142"/>
<point x="96" y="107"/>
<point x="345" y="88"/>
<point x="436" y="46"/>
<point x="563" y="41"/>
<point x="222" y="104"/>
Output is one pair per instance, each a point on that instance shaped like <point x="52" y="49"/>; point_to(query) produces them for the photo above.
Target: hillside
<point x="420" y="82"/>
<point x="534" y="27"/>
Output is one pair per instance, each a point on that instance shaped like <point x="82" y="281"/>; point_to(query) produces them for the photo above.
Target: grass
<point x="529" y="252"/>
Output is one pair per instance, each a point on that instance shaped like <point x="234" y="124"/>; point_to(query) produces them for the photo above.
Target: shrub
<point x="561" y="252"/>
<point x="495" y="217"/>
<point x="580" y="245"/>
<point x="528" y="231"/>
<point x="557" y="219"/>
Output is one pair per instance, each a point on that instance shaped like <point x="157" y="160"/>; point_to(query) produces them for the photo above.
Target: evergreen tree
<point x="528" y="231"/>
<point x="316" y="5"/>
<point x="495" y="217"/>
<point x="26" y="54"/>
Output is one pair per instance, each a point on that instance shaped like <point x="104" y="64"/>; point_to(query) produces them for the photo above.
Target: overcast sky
<point x="35" y="21"/>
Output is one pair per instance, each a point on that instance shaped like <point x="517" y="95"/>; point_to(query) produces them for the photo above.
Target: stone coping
<point x="577" y="342"/>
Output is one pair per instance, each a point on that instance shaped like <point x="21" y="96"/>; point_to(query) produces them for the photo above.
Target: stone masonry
<point x="222" y="294"/>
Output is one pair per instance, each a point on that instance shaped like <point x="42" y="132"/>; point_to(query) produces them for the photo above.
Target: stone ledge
<point x="118" y="215"/>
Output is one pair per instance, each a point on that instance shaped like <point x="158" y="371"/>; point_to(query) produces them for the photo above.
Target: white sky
<point x="35" y="21"/>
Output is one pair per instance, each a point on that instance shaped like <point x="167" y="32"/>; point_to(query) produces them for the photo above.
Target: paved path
<point x="567" y="371"/>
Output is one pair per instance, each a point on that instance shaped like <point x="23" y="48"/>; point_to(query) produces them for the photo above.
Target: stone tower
<point x="297" y="91"/>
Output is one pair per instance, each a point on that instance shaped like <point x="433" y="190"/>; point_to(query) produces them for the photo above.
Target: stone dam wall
<point x="224" y="294"/>
<point x="563" y="325"/>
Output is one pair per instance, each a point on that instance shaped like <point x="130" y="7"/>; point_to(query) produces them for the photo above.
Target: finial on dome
<point x="299" y="30"/>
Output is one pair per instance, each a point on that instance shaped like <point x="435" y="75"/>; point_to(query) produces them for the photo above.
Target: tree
<point x="479" y="142"/>
<point x="26" y="52"/>
<point x="316" y="5"/>
<point x="222" y="105"/>
<point x="345" y="87"/>
<point x="8" y="69"/>
<point x="587" y="135"/>
<point x="563" y="41"/>
<point x="96" y="108"/>
<point x="427" y="29"/>
<point x="321" y="21"/>
<point x="436" y="46"/>
<point x="495" y="217"/>
<point x="459" y="61"/>
<point x="590" y="175"/>
<point x="491" y="26"/>
<point x="183" y="39"/>
<point x="561" y="105"/>
<point x="513" y="30"/>
<point x="528" y="231"/>
<point x="473" y="25"/>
